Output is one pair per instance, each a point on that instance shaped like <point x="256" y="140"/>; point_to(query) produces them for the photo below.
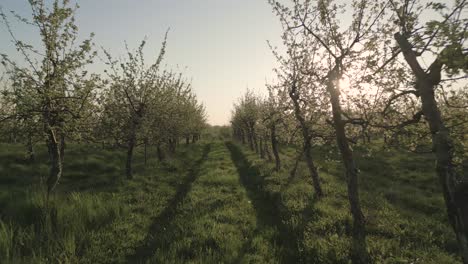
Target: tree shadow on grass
<point x="266" y="207"/>
<point x="163" y="220"/>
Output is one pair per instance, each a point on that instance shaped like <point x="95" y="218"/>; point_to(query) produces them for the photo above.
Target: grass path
<point x="268" y="216"/>
<point x="163" y="220"/>
<point x="220" y="215"/>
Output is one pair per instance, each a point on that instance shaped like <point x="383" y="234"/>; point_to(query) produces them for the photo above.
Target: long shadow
<point x="163" y="220"/>
<point x="266" y="207"/>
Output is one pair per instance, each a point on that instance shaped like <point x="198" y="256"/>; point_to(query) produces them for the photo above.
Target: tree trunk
<point x="187" y="140"/>
<point x="360" y="254"/>
<point x="267" y="149"/>
<point x="455" y="195"/>
<point x="296" y="163"/>
<point x="169" y="145"/>
<point x="128" y="165"/>
<point x="307" y="144"/>
<point x="251" y="141"/>
<point x="146" y="150"/>
<point x="30" y="149"/>
<point x="172" y="145"/>
<point x="274" y="147"/>
<point x="160" y="152"/>
<point x="62" y="147"/>
<point x="261" y="149"/>
<point x="312" y="169"/>
<point x="56" y="169"/>
<point x="255" y="141"/>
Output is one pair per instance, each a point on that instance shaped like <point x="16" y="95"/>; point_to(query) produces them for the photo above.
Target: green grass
<point x="95" y="216"/>
<point x="218" y="202"/>
<point x="221" y="219"/>
<point x="403" y="205"/>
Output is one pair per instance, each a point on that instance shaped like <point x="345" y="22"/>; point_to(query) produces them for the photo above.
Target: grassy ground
<point x="403" y="205"/>
<point x="217" y="202"/>
<point x="97" y="216"/>
<point x="224" y="218"/>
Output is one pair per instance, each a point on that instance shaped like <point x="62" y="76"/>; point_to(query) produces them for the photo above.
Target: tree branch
<point x="396" y="96"/>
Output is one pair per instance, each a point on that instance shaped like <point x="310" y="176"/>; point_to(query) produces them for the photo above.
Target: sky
<point x="220" y="45"/>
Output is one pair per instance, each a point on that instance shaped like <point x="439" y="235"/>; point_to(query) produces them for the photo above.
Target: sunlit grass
<point x="403" y="205"/>
<point x="94" y="215"/>
<point x="219" y="203"/>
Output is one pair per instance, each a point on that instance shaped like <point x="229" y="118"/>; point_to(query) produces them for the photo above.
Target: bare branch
<point x="396" y="96"/>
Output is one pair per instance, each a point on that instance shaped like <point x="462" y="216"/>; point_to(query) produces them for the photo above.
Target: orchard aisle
<point x="222" y="218"/>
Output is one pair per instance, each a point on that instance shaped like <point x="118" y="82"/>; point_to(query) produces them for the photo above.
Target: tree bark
<point x="307" y="142"/>
<point x="254" y="135"/>
<point x="296" y="163"/>
<point x="455" y="195"/>
<point x="360" y="254"/>
<point x="56" y="168"/>
<point x="312" y="168"/>
<point x="62" y="147"/>
<point x="274" y="147"/>
<point x="262" y="150"/>
<point x="130" y="147"/>
<point x="250" y="138"/>
<point x="160" y="152"/>
<point x="267" y="149"/>
<point x="172" y="145"/>
<point x="242" y="134"/>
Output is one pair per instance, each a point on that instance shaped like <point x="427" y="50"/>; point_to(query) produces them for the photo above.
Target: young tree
<point x="53" y="86"/>
<point x="444" y="38"/>
<point x="273" y="117"/>
<point x="294" y="84"/>
<point x="132" y="87"/>
<point x="305" y="104"/>
<point x="246" y="116"/>
<point x="330" y="49"/>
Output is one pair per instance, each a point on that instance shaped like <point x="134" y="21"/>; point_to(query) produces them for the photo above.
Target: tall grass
<point x="59" y="231"/>
<point x="227" y="207"/>
<point x="33" y="231"/>
<point x="405" y="214"/>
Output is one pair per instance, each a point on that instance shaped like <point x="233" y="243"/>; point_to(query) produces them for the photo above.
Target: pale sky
<point x="221" y="45"/>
